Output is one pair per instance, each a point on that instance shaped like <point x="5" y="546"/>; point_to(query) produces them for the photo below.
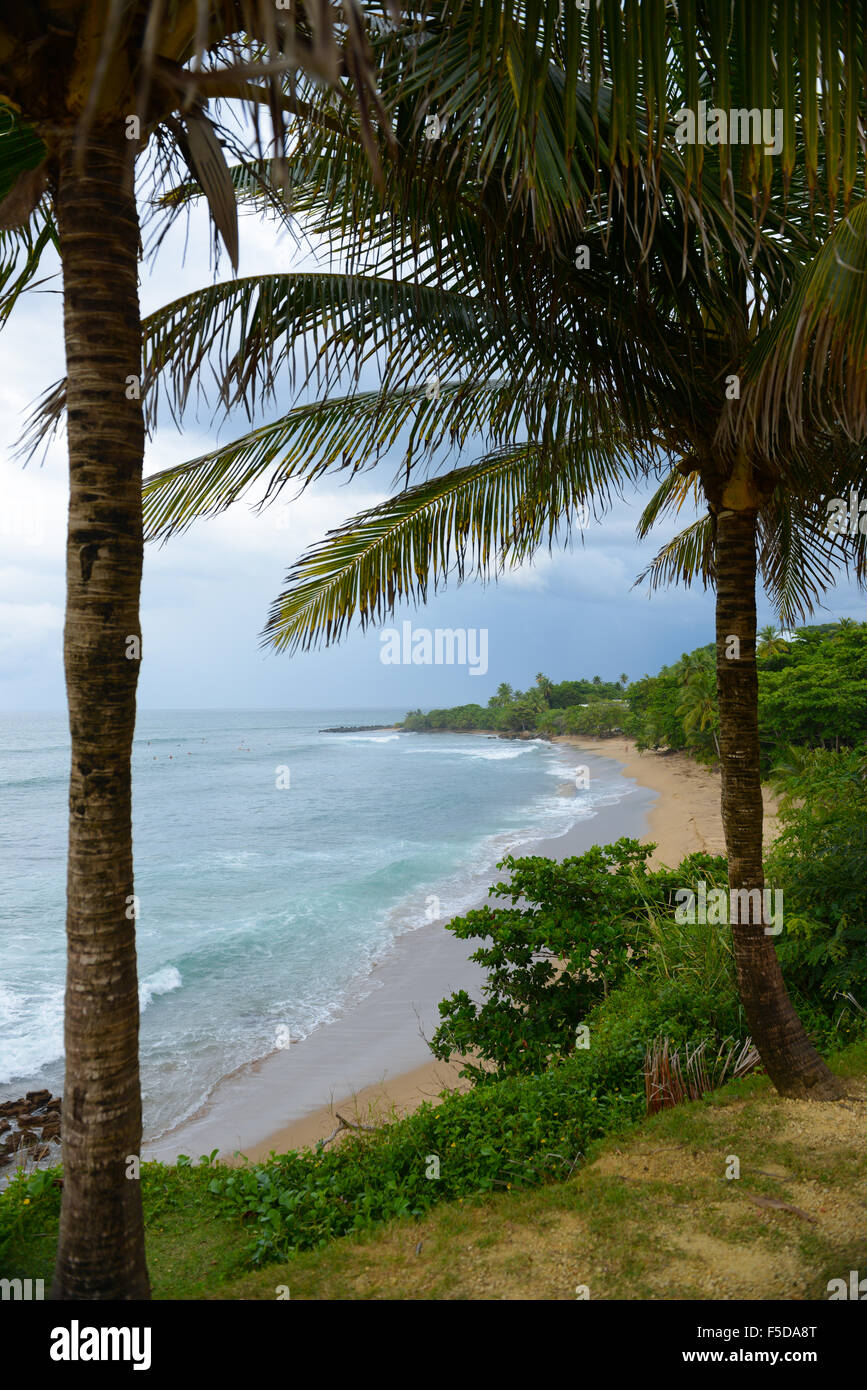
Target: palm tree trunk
<point x="789" y="1058"/>
<point x="101" y="1249"/>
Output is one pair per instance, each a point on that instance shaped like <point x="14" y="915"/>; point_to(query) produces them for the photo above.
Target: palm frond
<point x="21" y="252"/>
<point x="686" y="557"/>
<point x="797" y="559"/>
<point x="811" y="365"/>
<point x="474" y="520"/>
<point x="248" y="331"/>
<point x="674" y="490"/>
<point x="355" y="431"/>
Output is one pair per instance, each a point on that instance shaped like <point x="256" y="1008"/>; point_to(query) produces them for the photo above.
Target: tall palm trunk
<point x="792" y="1063"/>
<point x="101" y="1250"/>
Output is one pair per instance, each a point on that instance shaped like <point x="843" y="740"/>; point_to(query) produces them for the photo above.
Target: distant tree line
<point x="812" y="693"/>
<point x="594" y="707"/>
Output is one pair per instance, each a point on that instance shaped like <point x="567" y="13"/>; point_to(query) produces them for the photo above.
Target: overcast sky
<point x="207" y="593"/>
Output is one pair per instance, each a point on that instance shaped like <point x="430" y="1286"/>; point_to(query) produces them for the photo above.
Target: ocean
<point x="276" y="866"/>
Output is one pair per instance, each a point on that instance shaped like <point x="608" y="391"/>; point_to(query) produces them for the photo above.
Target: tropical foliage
<point x="821" y="858"/>
<point x="812" y="694"/>
<point x="573" y="932"/>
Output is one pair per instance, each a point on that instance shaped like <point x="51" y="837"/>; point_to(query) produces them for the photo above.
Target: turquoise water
<point x="262" y="906"/>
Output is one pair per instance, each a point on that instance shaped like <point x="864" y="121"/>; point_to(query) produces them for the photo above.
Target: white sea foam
<point x="371" y="738"/>
<point x="488" y="755"/>
<point x="36" y="1034"/>
<point x="161" y="982"/>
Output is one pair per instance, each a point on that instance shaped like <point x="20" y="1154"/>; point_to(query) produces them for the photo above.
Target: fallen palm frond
<point x="670" y="1079"/>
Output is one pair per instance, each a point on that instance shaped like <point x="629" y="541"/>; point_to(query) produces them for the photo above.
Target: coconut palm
<point x="84" y="89"/>
<point x="698" y="707"/>
<point x="770" y="641"/>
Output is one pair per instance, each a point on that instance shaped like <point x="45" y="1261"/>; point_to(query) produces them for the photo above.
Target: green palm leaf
<point x="475" y="520"/>
<point x="354" y="431"/>
<point x="686" y="557"/>
<point x="21" y="245"/>
<point x="349" y="432"/>
<point x="812" y="364"/>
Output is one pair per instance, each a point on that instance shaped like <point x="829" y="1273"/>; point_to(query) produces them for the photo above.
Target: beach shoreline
<point x="363" y="1055"/>
<point x="368" y="1063"/>
<point x="687" y="817"/>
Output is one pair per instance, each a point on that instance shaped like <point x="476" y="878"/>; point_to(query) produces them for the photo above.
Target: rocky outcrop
<point x="32" y="1124"/>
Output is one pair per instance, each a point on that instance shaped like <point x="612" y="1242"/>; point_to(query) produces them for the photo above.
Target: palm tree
<point x="85" y="90"/>
<point x="698" y="307"/>
<point x="505" y="694"/>
<point x="771" y="641"/>
<point x="544" y="686"/>
<point x="698" y="707"/>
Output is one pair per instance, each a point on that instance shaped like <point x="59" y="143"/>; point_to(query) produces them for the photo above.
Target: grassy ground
<point x="652" y="1216"/>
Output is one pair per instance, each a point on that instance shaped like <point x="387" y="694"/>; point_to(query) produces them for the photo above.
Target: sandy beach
<point x="686" y="817"/>
<point x="374" y="1064"/>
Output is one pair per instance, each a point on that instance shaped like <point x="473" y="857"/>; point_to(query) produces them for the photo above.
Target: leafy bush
<point x="598" y="719"/>
<point x="820" y="861"/>
<point x="517" y="1133"/>
<point x="573" y="932"/>
<point x="814" y="693"/>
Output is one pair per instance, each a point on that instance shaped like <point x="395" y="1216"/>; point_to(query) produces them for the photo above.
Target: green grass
<point x="649" y="1215"/>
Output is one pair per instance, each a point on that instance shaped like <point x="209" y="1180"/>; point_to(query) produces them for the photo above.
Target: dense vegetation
<point x="544" y="708"/>
<point x="812" y="689"/>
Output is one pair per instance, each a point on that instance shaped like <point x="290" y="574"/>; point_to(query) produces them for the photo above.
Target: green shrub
<point x="515" y="1133"/>
<point x="820" y="862"/>
<point x="574" y="931"/>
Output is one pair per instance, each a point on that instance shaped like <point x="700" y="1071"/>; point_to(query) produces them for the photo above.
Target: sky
<point x="206" y="594"/>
